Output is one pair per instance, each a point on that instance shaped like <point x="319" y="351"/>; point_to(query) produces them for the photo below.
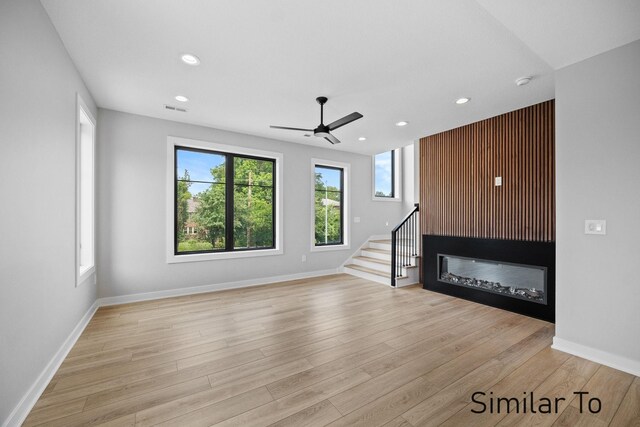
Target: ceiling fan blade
<point x="288" y="128"/>
<point x="345" y="120"/>
<point x="332" y="139"/>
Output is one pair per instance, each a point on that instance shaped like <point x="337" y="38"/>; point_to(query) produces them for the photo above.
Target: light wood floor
<point x="336" y="350"/>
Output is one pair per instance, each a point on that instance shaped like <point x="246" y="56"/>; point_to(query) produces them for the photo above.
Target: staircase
<point x="373" y="262"/>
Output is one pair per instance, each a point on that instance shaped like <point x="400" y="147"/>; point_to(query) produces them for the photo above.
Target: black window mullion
<point x="341" y="206"/>
<point x="393" y="173"/>
<point x="175" y="200"/>
<point x="229" y="200"/>
<point x="341" y="192"/>
<point x="273" y="203"/>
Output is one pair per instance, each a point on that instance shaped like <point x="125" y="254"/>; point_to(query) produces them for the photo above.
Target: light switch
<point x="356" y="219"/>
<point x="498" y="181"/>
<point x="595" y="226"/>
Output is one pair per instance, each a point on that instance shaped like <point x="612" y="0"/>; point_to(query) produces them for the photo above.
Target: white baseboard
<point x="20" y="412"/>
<point x="599" y="356"/>
<point x="149" y="296"/>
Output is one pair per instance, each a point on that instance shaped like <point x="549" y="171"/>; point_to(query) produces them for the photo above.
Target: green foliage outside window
<point x="204" y="227"/>
<point x="328" y="210"/>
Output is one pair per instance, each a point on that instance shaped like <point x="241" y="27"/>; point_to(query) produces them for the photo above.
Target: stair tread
<point x="368" y="270"/>
<point x="371" y="271"/>
<point x="376" y="260"/>
<point x="380" y="251"/>
<point x="388" y="241"/>
<point x="384" y="251"/>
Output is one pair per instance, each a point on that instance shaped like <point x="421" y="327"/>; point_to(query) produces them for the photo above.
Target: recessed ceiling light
<point x="190" y="59"/>
<point x="182" y="98"/>
<point x="402" y="123"/>
<point x="523" y="81"/>
<point x="362" y="138"/>
<point x="462" y="100"/>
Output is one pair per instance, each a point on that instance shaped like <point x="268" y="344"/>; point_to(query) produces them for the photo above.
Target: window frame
<point x="345" y="205"/>
<point x="230" y="151"/>
<point x="229" y="199"/>
<point x="396" y="177"/>
<point x="83" y="273"/>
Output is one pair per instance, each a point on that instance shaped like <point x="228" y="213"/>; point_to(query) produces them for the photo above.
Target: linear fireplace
<point x="527" y="282"/>
<point x="513" y="275"/>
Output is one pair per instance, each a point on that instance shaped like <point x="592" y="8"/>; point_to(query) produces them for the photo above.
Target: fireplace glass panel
<point x="526" y="282"/>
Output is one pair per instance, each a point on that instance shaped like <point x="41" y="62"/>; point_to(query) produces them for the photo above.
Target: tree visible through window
<point x="224" y="202"/>
<point x="384" y="164"/>
<point x="329" y="202"/>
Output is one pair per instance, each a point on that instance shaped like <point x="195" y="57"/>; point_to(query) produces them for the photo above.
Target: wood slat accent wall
<point x="457" y="170"/>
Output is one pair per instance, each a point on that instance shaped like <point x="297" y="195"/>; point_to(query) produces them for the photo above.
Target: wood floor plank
<point x="609" y="386"/>
<point x="628" y="413"/>
<point x="126" y="421"/>
<point x="527" y="376"/>
<point x="178" y="407"/>
<point x="332" y="350"/>
<point x="445" y="365"/>
<point x="317" y="415"/>
<point x="570" y="377"/>
<point x="319" y="373"/>
<point x="122" y="408"/>
<point x="221" y="411"/>
<point x="398" y="422"/>
<point x="52" y="412"/>
<point x="88" y="388"/>
<point x="450" y="399"/>
<point x="181" y="376"/>
<point x="293" y="403"/>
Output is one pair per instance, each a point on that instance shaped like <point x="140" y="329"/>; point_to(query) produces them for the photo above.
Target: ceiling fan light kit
<point x="322" y="130"/>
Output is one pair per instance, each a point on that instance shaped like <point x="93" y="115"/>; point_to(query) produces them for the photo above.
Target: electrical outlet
<point x="304" y="258"/>
<point x="498" y="181"/>
<point x="595" y="226"/>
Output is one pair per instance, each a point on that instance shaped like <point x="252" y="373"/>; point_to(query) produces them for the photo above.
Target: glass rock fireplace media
<point x="514" y="280"/>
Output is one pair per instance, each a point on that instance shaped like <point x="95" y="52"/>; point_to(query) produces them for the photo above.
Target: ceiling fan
<point x="324" y="131"/>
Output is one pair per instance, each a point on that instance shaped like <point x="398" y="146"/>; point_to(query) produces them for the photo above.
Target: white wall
<point x="39" y="302"/>
<point x="132" y="191"/>
<point x="598" y="177"/>
<point x="408" y="178"/>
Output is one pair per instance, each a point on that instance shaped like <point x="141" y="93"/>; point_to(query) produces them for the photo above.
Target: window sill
<point x="386" y="199"/>
<point x="175" y="259"/>
<point x="84" y="273"/>
<point x="329" y="248"/>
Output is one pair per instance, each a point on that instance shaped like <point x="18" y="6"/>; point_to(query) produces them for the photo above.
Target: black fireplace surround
<point x="539" y="255"/>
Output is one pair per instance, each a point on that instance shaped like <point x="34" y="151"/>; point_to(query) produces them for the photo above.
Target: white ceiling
<point x="265" y="62"/>
<point x="563" y="32"/>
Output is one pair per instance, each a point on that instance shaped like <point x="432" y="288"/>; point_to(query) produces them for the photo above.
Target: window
<point x="223" y="203"/>
<point x="385" y="176"/>
<point x="229" y="197"/>
<point x="85" y="192"/>
<point x="329" y="205"/>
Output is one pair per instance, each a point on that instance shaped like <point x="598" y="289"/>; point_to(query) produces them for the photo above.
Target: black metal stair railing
<point x="404" y="244"/>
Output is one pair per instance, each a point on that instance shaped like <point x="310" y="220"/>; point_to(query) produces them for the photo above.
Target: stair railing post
<point x="393" y="258"/>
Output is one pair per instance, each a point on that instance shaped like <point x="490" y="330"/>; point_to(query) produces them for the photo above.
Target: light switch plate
<point x="356" y="219"/>
<point x="595" y="226"/>
<point x="498" y="181"/>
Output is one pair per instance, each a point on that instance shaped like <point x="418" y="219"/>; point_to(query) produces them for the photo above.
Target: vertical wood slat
<point x="457" y="170"/>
